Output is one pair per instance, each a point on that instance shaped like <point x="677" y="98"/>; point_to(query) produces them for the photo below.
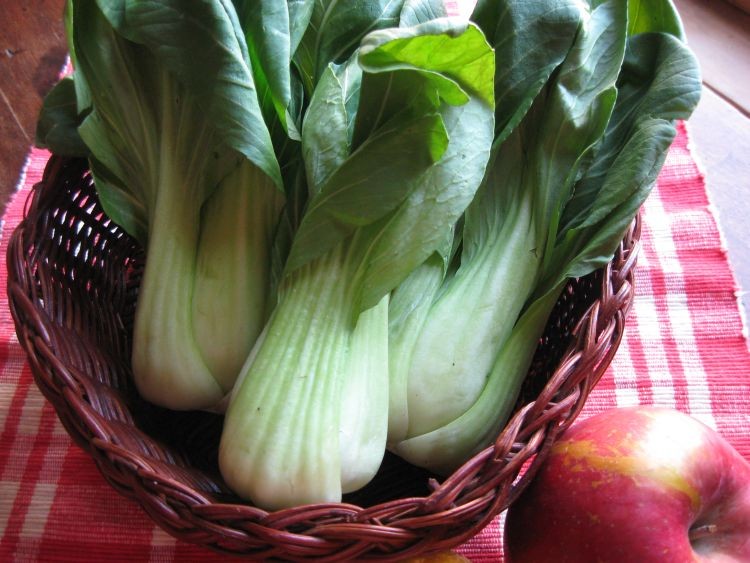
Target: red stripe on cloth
<point x="711" y="296"/>
<point x="710" y="290"/>
<point x="30" y="469"/>
<point x="630" y="388"/>
<point x="89" y="516"/>
<point x="664" y="363"/>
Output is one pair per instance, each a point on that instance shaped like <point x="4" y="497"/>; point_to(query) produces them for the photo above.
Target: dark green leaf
<point x="57" y="127"/>
<point x="577" y="111"/>
<point x="272" y="31"/>
<point x="405" y="186"/>
<point x="426" y="220"/>
<point x="327" y="132"/>
<point x="627" y="185"/>
<point x="203" y="45"/>
<point x="300" y="12"/>
<point x="119" y="202"/>
<point x="565" y="120"/>
<point x="336" y="27"/>
<point x="531" y="38"/>
<point x="121" y="132"/>
<point x="659" y="79"/>
<point x="659" y="84"/>
<point x="372" y="182"/>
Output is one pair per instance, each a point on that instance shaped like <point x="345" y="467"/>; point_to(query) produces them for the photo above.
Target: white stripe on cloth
<point x="678" y="313"/>
<point x="162" y="546"/>
<point x="625" y="376"/>
<point x="27" y="425"/>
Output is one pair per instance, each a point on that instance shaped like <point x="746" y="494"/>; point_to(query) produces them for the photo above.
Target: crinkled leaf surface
<point x="327" y="132"/>
<point x="660" y="83"/>
<point x="57" y="126"/>
<point x="273" y="29"/>
<point x="531" y="39"/>
<point x="335" y="30"/>
<point x="416" y="159"/>
<point x="203" y="45"/>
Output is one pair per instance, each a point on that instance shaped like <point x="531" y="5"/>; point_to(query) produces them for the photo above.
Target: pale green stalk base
<point x="446" y="448"/>
<point x="280" y="444"/>
<point x="409" y="306"/>
<point x="364" y="415"/>
<point x="167" y="365"/>
<point x="232" y="282"/>
<point x="465" y="328"/>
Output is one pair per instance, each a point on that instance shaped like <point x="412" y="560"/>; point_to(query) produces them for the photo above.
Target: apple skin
<point x="641" y="484"/>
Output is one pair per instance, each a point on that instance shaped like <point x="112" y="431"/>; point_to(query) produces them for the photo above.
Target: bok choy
<point x="183" y="160"/>
<point x="560" y="191"/>
<point x="405" y="147"/>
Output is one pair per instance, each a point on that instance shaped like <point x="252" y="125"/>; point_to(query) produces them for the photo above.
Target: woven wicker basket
<point x="72" y="285"/>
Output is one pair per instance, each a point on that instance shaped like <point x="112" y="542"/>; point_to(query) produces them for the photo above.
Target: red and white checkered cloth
<point x="685" y="348"/>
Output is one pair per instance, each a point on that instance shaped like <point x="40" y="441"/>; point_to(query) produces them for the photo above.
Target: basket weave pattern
<point x="72" y="284"/>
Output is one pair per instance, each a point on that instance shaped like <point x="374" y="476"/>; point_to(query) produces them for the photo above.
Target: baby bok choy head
<point x="531" y="39"/>
<point x="396" y="141"/>
<point x="560" y="191"/>
<point x="167" y="111"/>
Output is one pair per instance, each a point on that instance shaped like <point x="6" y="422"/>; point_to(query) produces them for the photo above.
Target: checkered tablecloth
<point x="685" y="347"/>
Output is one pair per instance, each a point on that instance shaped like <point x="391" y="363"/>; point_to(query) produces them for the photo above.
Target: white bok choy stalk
<point x="392" y="162"/>
<point x="232" y="293"/>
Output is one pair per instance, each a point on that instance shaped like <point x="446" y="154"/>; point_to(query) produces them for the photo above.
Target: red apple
<point x="638" y="484"/>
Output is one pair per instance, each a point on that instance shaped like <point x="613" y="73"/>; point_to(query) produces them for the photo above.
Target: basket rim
<point x="393" y="529"/>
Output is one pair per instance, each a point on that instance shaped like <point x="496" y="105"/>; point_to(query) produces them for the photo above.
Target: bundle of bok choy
<point x="357" y="215"/>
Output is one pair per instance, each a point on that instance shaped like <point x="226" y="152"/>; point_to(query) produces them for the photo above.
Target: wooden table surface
<point x="32" y="52"/>
<point x="719" y="33"/>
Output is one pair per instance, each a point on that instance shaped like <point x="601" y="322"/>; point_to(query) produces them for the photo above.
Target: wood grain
<point x="32" y="52"/>
<point x="719" y="33"/>
<point x="743" y="5"/>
